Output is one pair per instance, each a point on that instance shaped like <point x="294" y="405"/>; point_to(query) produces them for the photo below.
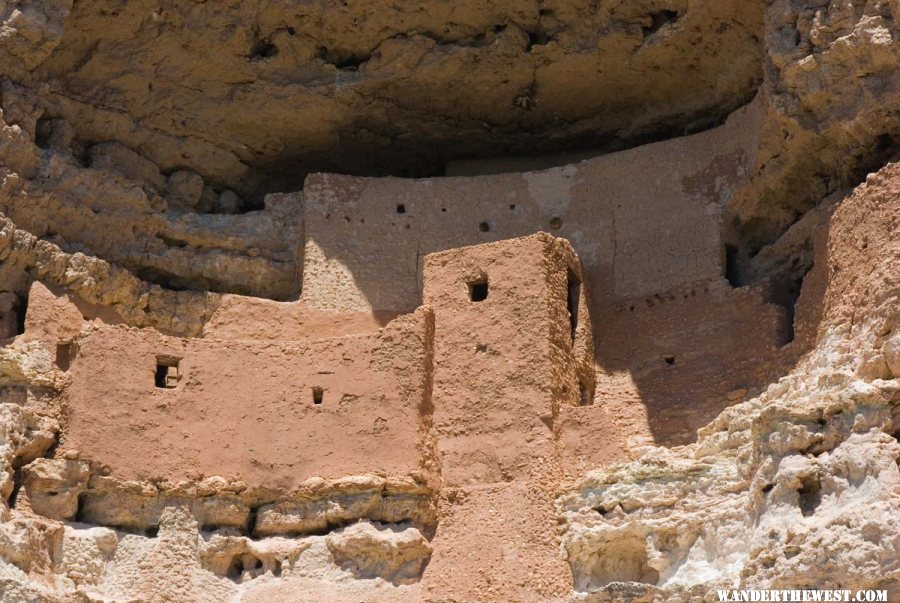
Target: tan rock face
<point x="393" y="554"/>
<point x="773" y="483"/>
<point x="631" y="336"/>
<point x="370" y="87"/>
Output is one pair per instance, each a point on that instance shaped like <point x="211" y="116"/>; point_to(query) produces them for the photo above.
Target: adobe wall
<point x="643" y="220"/>
<point x="668" y="364"/>
<point x="441" y="404"/>
<point x="495" y="395"/>
<point x="504" y="367"/>
<point x="240" y="317"/>
<point x="647" y="225"/>
<point x="246" y="410"/>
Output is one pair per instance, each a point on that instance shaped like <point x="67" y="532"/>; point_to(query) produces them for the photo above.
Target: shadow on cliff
<point x="679" y="357"/>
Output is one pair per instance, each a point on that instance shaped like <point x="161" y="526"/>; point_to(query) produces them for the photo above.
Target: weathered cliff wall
<point x="205" y="182"/>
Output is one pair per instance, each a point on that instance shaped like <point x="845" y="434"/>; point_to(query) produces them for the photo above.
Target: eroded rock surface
<point x="371" y="87"/>
<point x="223" y="380"/>
<point x="796" y="488"/>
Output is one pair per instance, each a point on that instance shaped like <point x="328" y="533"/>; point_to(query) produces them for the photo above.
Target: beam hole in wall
<point x="167" y="372"/>
<point x="401" y="208"/>
<point x="478" y="290"/>
<point x="484" y="227"/>
<point x="573" y="295"/>
<point x="556" y="223"/>
<point x="64" y="353"/>
<point x="669" y="359"/>
<point x="318" y="394"/>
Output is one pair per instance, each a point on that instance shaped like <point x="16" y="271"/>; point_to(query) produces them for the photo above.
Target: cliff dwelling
<point x="559" y="301"/>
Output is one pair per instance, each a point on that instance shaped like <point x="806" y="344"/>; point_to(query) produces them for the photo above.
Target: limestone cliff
<point x="276" y="325"/>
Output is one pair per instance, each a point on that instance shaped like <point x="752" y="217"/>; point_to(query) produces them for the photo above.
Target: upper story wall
<point x="274" y="413"/>
<point x="642" y="221"/>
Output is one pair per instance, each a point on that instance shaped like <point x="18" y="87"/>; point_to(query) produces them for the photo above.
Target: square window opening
<point x="167" y="372"/>
<point x="478" y="290"/>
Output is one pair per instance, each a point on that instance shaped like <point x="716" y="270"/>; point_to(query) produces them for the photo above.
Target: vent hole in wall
<point x="484" y="227"/>
<point x="478" y="290"/>
<point x="669" y="359"/>
<point x="401" y="208"/>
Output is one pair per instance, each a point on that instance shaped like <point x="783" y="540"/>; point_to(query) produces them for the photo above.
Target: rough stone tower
<point x="496" y="400"/>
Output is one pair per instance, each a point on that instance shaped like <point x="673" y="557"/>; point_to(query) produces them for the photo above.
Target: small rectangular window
<point x="167" y="372"/>
<point x="318" y="395"/>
